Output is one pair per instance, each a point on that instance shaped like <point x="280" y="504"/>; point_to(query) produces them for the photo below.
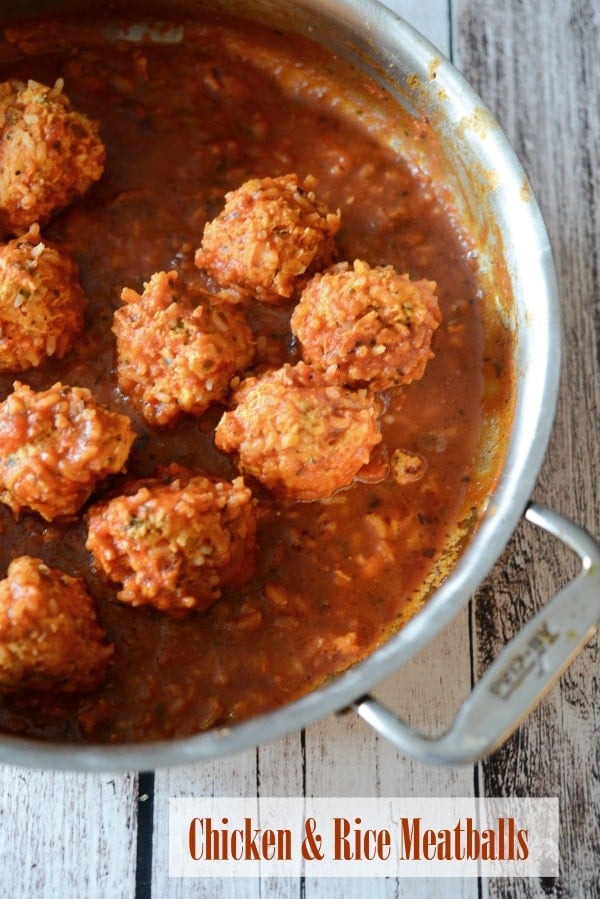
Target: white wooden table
<point x="536" y="63"/>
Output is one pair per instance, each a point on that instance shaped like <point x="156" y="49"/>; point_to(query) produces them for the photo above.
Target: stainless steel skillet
<point x="491" y="191"/>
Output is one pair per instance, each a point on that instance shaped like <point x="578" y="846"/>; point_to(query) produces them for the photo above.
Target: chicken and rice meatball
<point x="41" y="302"/>
<point x="50" y="639"/>
<point x="49" y="153"/>
<point x="174" y="357"/>
<point x="55" y="446"/>
<point x="175" y="541"/>
<point x="302" y="438"/>
<point x="364" y="325"/>
<point x="272" y="234"/>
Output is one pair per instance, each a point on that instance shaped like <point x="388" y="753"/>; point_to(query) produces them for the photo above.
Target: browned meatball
<point x="302" y="438"/>
<point x="174" y="357"/>
<point x="365" y="325"/>
<point x="49" y="153"/>
<point x="271" y="235"/>
<point x="55" y="446"/>
<point x="49" y="636"/>
<point x="174" y="542"/>
<point x="41" y="302"/>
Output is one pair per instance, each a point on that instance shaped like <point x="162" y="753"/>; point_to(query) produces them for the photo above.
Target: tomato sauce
<point x="182" y="124"/>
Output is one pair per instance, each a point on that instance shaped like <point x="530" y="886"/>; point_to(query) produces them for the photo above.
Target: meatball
<point x="41" y="302"/>
<point x="365" y="325"/>
<point x="302" y="438"/>
<point x="272" y="234"/>
<point x="174" y="357"/>
<point x="49" y="153"/>
<point x="55" y="446"/>
<point x="50" y="639"/>
<point x="175" y="541"/>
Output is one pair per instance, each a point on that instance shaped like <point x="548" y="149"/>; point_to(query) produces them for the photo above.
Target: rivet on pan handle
<point x="525" y="670"/>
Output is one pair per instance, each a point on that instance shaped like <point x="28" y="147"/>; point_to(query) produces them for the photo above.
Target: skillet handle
<point x="524" y="671"/>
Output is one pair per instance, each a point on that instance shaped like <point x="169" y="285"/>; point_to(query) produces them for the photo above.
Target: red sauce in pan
<point x="182" y="124"/>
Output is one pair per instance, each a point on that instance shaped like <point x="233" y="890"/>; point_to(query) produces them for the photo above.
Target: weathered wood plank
<point x="275" y="769"/>
<point x="67" y="835"/>
<point x="535" y="65"/>
<point x="234" y="776"/>
<point x="345" y="758"/>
